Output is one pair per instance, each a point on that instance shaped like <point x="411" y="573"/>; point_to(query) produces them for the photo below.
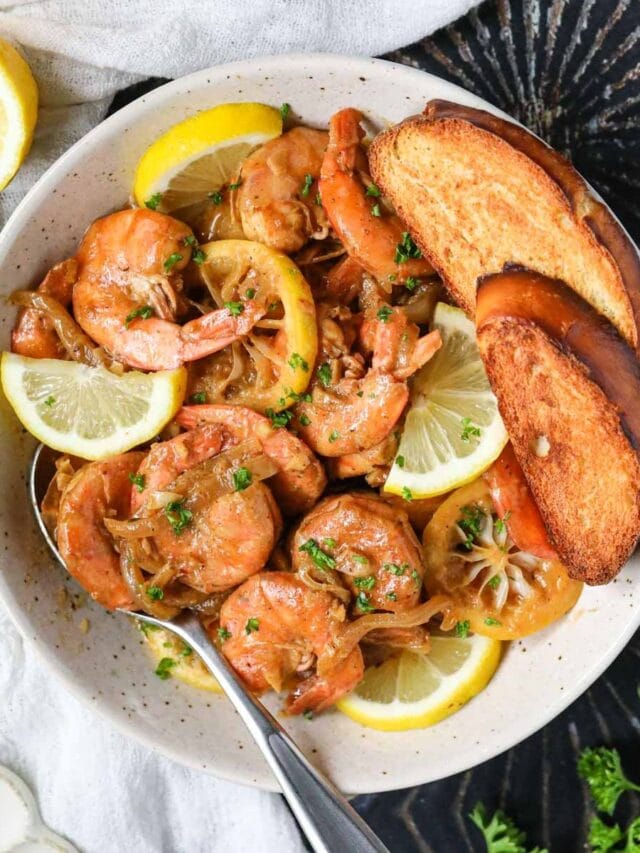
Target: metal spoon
<point x="326" y="818"/>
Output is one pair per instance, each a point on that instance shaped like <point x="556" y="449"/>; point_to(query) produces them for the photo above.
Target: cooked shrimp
<point x="300" y="478"/>
<point x="373" y="464"/>
<point x="97" y="491"/>
<point x="368" y="541"/>
<point x="34" y="335"/>
<point x="276" y="627"/>
<point x="370" y="239"/>
<point x="277" y="198"/>
<point x="357" y="412"/>
<point x="127" y="296"/>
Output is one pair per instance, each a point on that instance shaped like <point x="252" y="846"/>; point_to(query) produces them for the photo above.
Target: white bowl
<point x="106" y="668"/>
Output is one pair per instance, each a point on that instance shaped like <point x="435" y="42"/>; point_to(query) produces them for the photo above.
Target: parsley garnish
<point x="253" y="624"/>
<point x="602" y="771"/>
<point x="305" y="420"/>
<point x="384" y="313"/>
<point x="296" y="361"/>
<point x="155" y="593"/>
<point x="138" y="481"/>
<point x="494" y="582"/>
<point x="285" y="109"/>
<point x="400" y="461"/>
<point x="491" y="621"/>
<point x="145" y="311"/>
<point x="153" y="201"/>
<point x="329" y="543"/>
<point x="468" y="429"/>
<point x="395" y="569"/>
<point x="198" y="398"/>
<point x="250" y="292"/>
<point x="223" y="634"/>
<point x="360" y="558"/>
<point x="406" y="494"/>
<point x="216" y="197"/>
<point x="171" y="261"/>
<point x="500" y="833"/>
<point x="49" y="401"/>
<point x="363" y="604"/>
<point x="411" y="283"/>
<point x="603" y="838"/>
<point x="365" y="583"/>
<point x="307" y="714"/>
<point x="278" y="419"/>
<point x="234" y="308"/>
<point x="416" y="577"/>
<point x="501" y="523"/>
<point x="199" y="257"/>
<point x="391" y="596"/>
<point x="190" y="240"/>
<point x="375" y="210"/>
<point x="406" y="249"/>
<point x="164" y="667"/>
<point x="236" y="185"/>
<point x="306" y="187"/>
<point x="320" y="558"/>
<point x="177" y="516"/>
<point x="472" y="518"/>
<point x="373" y="190"/>
<point x="241" y="479"/>
<point x="462" y="629"/>
<point x="324" y="374"/>
<point x="334" y="435"/>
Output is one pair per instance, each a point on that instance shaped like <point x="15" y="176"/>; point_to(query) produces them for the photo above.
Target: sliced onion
<point x="328" y="581"/>
<point x="134" y="528"/>
<point x="134" y="579"/>
<point x="334" y="653"/>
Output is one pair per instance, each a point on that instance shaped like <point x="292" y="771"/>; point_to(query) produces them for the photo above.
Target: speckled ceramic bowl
<point x="107" y="667"/>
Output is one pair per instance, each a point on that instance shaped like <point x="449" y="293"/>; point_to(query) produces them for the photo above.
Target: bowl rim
<point x="14" y="225"/>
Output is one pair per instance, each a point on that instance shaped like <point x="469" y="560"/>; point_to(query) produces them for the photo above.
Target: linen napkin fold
<point x="102" y="791"/>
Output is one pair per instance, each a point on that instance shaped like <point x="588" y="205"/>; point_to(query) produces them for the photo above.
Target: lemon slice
<point x="173" y="658"/>
<point x="272" y="366"/>
<point x="201" y="154"/>
<point x="18" y="111"/>
<point x="89" y="411"/>
<point x="453" y="431"/>
<point x="411" y="690"/>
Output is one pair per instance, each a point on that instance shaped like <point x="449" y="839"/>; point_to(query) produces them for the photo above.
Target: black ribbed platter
<point x="569" y="70"/>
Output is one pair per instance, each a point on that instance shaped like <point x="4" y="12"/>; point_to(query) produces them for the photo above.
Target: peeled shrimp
<point x="131" y="262"/>
<point x="372" y="544"/>
<point x="276" y="628"/>
<point x="371" y="240"/>
<point x="277" y="197"/>
<point x="355" y="413"/>
<point x="97" y="491"/>
<point x="300" y="478"/>
<point x="373" y="464"/>
<point x="34" y="335"/>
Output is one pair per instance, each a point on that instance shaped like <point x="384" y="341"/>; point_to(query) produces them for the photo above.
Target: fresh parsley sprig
<point x="601" y="769"/>
<point x="500" y="833"/>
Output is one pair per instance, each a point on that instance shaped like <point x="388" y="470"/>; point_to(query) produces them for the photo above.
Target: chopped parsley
<point x="163" y="670"/>
<point x="406" y="249"/>
<point x="470" y="524"/>
<point x="236" y="185"/>
<point x="373" y="190"/>
<point x="308" y="714"/>
<point x="216" y="197"/>
<point x="223" y="634"/>
<point x="491" y="621"/>
<point x="384" y="313"/>
<point x="153" y="201"/>
<point x="365" y="583"/>
<point x="334" y="435"/>
<point x="324" y="374"/>
<point x="494" y="582"/>
<point x="253" y="624"/>
<point x="305" y="420"/>
<point x="329" y="543"/>
<point x="250" y="292"/>
<point x="469" y="429"/>
<point x="155" y="593"/>
<point x="395" y="569"/>
<point x="400" y="461"/>
<point x="172" y="260"/>
<point x="177" y="516"/>
<point x="198" y="398"/>
<point x="462" y="629"/>
<point x="306" y="187"/>
<point x="144" y="312"/>
<point x="138" y="481"/>
<point x="241" y="479"/>
<point x="190" y="240"/>
<point x="360" y="558"/>
<point x="363" y="603"/>
<point x="297" y="361"/>
<point x="375" y="210"/>
<point x="49" y="401"/>
<point x="234" y="308"/>
<point x="391" y="596"/>
<point x="406" y="494"/>
<point x="320" y="558"/>
<point x="279" y="419"/>
<point x="199" y="256"/>
<point x="501" y="523"/>
<point x="285" y="109"/>
<point x="411" y="283"/>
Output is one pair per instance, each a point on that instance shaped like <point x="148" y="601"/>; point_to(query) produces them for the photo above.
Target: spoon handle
<point x="326" y="818"/>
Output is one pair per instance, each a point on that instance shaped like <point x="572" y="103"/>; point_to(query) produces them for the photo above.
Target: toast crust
<point x="475" y="204"/>
<point x="587" y="485"/>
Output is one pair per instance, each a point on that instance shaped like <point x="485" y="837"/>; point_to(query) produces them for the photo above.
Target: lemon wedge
<point x="18" y="111"/>
<point x="89" y="411"/>
<point x="411" y="690"/>
<point x="173" y="658"/>
<point x="453" y="431"/>
<point x="202" y="154"/>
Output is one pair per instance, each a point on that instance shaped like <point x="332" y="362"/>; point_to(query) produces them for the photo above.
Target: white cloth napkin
<point x="104" y="792"/>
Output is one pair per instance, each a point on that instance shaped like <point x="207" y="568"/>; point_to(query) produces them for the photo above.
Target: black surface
<point x="570" y="70"/>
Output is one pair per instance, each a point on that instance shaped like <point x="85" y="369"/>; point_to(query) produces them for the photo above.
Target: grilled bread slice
<point x="568" y="389"/>
<point x="479" y="193"/>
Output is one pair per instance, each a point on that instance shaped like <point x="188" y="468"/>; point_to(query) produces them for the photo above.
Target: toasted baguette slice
<point x="580" y="466"/>
<point x="479" y="193"/>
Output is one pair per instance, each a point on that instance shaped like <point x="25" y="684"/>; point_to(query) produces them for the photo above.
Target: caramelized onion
<point x="134" y="579"/>
<point x="328" y="581"/>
